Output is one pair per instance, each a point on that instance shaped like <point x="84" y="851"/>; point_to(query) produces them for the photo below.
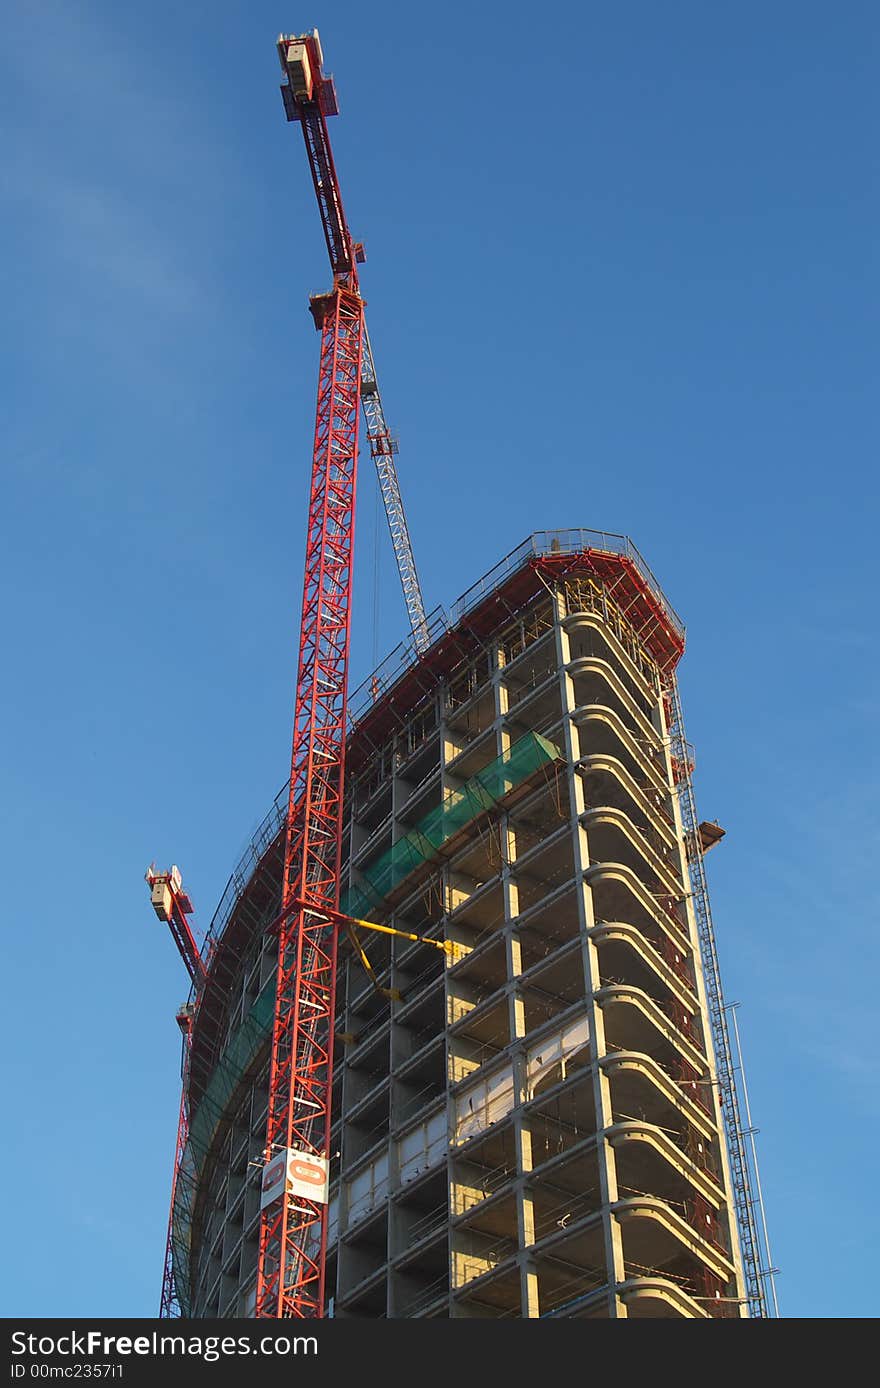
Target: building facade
<point x="527" y="1125"/>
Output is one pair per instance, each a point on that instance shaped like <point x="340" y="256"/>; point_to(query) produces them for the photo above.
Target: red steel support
<point x="173" y="905"/>
<point x="293" y="1229"/>
<point x="170" y="1304"/>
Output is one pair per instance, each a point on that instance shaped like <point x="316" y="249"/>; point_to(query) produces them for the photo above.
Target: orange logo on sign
<point x="302" y="1171"/>
<point x="272" y="1172"/>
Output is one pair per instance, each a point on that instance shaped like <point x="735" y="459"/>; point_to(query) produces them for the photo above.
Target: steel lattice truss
<point x="383" y="447"/>
<point x="293" y="1230"/>
<point x="170" y="1303"/>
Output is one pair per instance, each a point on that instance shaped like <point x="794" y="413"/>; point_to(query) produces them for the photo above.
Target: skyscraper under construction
<point x="456" y="1044"/>
<point x="535" y="1108"/>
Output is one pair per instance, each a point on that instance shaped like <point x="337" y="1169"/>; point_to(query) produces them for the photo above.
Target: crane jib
<point x="340" y="246"/>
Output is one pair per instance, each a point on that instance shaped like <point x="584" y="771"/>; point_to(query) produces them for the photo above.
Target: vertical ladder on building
<point x="755" y="1256"/>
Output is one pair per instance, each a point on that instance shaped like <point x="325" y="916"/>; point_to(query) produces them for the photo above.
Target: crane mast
<point x="169" y="1305"/>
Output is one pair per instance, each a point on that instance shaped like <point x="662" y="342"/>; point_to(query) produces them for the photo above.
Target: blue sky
<point x="620" y="275"/>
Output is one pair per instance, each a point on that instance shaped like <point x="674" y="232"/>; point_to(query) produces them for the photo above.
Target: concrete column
<point x="601" y="1088"/>
<point x="726" y="1213"/>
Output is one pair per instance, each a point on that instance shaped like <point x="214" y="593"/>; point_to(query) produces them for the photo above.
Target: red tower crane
<point x="170" y="1304"/>
<point x="173" y="905"/>
<point x="292" y="1243"/>
<point x="293" y="1226"/>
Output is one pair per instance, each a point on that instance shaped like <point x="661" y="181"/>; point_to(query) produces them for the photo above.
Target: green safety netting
<point x="237" y="1059"/>
<point x="421" y="844"/>
<point x="456" y="810"/>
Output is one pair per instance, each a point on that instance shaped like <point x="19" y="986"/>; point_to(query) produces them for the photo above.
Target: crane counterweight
<point x="173" y="906"/>
<point x="295" y="62"/>
<point x="302" y="62"/>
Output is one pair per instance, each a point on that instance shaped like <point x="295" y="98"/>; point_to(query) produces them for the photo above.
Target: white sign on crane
<point x="294" y="1172"/>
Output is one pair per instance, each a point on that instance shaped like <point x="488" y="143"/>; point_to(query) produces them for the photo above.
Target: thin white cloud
<point x="92" y="232"/>
<point x="99" y="157"/>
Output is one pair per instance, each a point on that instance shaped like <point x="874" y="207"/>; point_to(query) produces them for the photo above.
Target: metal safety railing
<point x="540" y="544"/>
<point x="550" y="542"/>
<point x="263" y="836"/>
<point x="407" y="654"/>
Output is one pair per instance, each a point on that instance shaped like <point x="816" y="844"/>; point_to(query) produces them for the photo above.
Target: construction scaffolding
<point x="439" y="829"/>
<point x="243" y="1053"/>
